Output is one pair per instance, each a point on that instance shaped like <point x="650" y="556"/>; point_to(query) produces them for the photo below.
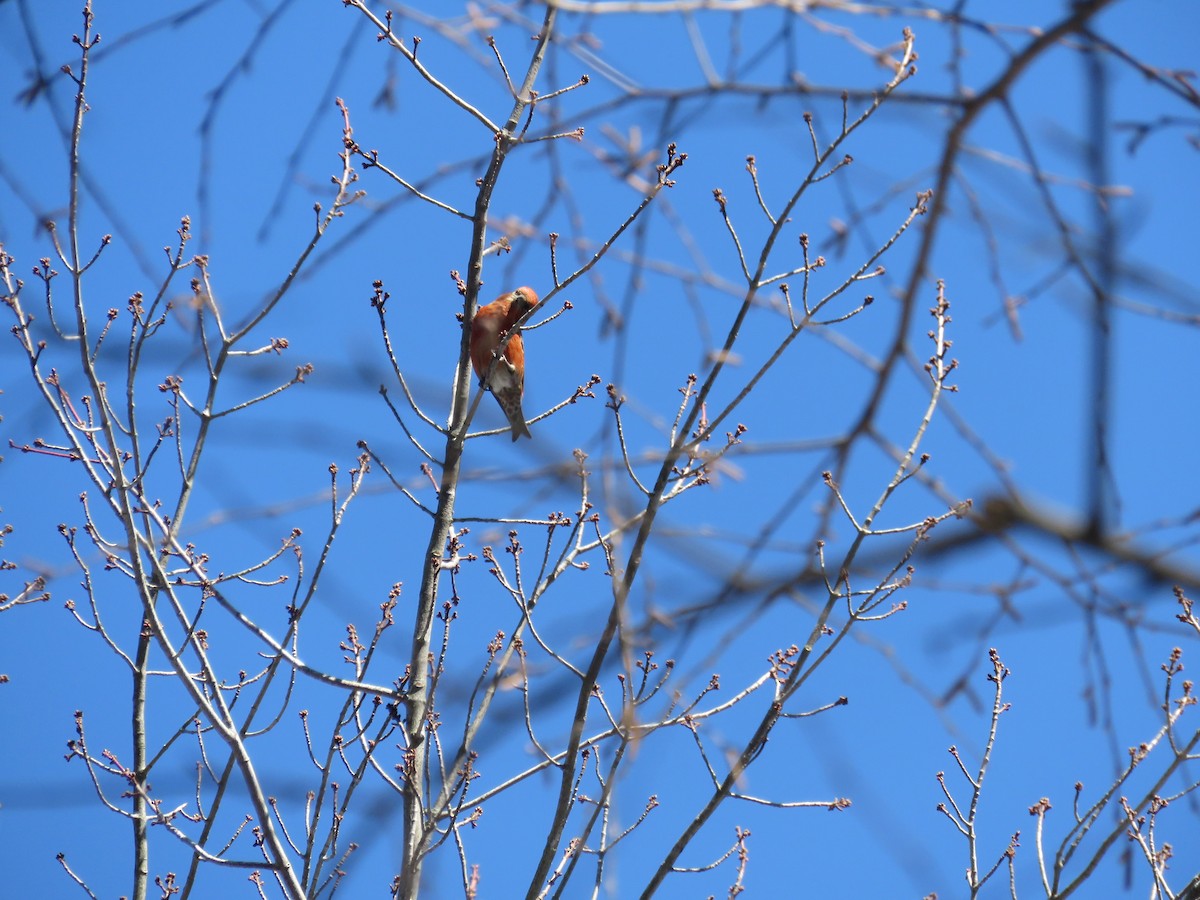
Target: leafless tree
<point x="705" y="553"/>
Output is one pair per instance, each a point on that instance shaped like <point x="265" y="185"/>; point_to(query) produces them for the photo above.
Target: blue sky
<point x="1084" y="685"/>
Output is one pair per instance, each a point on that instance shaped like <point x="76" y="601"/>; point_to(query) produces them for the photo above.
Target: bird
<point x="506" y="377"/>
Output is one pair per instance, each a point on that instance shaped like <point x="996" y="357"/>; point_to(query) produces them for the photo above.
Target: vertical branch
<point x="139" y="818"/>
<point x="418" y="819"/>
<point x="965" y="821"/>
<point x="141" y="838"/>
<point x="1099" y="474"/>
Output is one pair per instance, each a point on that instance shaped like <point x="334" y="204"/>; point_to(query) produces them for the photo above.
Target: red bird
<point x="507" y="379"/>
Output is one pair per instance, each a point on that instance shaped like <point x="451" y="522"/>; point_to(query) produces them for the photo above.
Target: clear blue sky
<point x="248" y="180"/>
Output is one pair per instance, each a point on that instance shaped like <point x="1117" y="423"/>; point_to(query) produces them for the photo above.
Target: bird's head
<point x="523" y="300"/>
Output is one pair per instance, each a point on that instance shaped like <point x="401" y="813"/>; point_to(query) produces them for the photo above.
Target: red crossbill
<point x="507" y="378"/>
